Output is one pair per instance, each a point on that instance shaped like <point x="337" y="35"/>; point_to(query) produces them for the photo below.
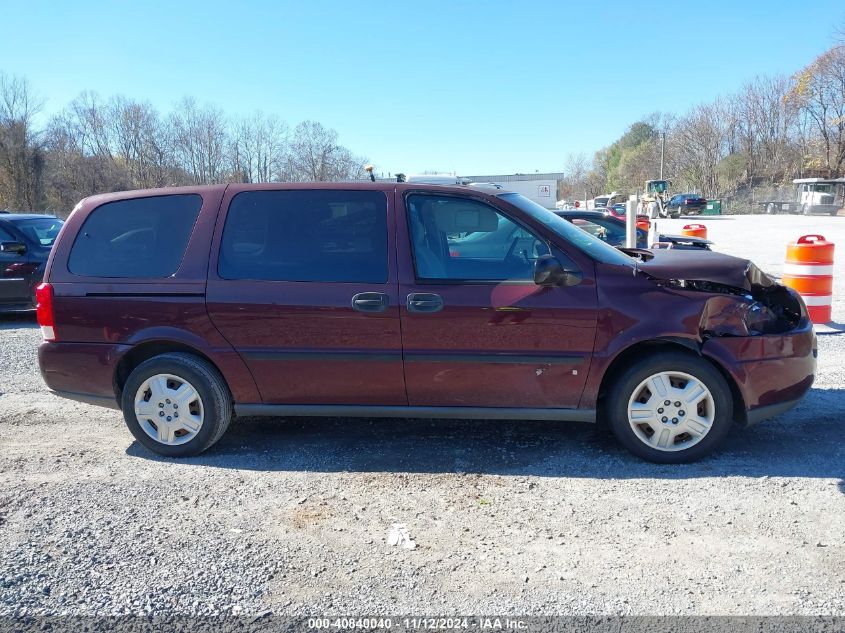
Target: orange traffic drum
<point x="695" y="230"/>
<point x="809" y="271"/>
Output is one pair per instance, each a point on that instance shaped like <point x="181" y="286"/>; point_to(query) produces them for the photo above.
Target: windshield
<point x="42" y="231"/>
<point x="583" y="241"/>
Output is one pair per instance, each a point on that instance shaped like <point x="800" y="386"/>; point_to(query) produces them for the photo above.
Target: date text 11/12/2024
<point x="419" y="623"/>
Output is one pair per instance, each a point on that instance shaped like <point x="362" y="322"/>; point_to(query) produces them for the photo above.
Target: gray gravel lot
<point x="291" y="516"/>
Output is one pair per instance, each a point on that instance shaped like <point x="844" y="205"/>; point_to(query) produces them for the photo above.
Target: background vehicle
<point x="25" y="243"/>
<point x="620" y="211"/>
<point x="185" y="307"/>
<point x="685" y="204"/>
<point x="811" y="195"/>
<point x="656" y="191"/>
<point x="612" y="230"/>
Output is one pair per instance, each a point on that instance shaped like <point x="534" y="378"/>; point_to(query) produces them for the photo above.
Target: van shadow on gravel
<point x="801" y="443"/>
<point x="18" y="320"/>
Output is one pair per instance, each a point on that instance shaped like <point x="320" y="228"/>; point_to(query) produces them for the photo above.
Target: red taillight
<point x="46" y="316"/>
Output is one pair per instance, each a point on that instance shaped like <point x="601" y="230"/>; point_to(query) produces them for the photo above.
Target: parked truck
<point x="811" y="196"/>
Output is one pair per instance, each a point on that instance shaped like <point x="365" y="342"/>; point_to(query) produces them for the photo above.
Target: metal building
<point x="543" y="189"/>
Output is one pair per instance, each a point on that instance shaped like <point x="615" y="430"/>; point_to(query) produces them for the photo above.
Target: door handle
<point x="370" y="302"/>
<point x="424" y="302"/>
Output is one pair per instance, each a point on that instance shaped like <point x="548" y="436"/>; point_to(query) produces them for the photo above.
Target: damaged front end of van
<point x="753" y="327"/>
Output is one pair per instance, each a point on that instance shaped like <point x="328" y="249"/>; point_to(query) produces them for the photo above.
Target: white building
<point x="541" y="188"/>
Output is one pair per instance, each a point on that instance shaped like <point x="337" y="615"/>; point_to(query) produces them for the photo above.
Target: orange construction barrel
<point x="695" y="230"/>
<point x="809" y="271"/>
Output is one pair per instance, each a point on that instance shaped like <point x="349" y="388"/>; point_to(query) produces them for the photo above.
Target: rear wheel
<point x="670" y="407"/>
<point x="176" y="404"/>
<point x="805" y="209"/>
<point x="770" y="208"/>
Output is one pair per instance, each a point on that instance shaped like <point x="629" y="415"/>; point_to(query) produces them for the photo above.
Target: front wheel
<point x="176" y="404"/>
<point x="770" y="208"/>
<point x="670" y="408"/>
<point x="805" y="209"/>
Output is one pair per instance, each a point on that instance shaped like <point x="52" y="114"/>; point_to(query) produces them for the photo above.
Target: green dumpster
<point x="714" y="207"/>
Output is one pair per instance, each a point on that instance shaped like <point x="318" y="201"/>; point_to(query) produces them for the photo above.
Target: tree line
<point x="772" y="130"/>
<point x="97" y="145"/>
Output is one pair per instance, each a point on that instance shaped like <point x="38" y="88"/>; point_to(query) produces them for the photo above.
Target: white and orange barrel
<point x="809" y="271"/>
<point x="695" y="230"/>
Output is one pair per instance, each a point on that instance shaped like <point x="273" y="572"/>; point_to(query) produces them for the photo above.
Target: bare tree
<point x="200" y="139"/>
<point x="576" y="167"/>
<point x="139" y="141"/>
<point x="21" y="152"/>
<point x="819" y="94"/>
<point x="764" y="130"/>
<point x="698" y="143"/>
<point x="82" y="157"/>
<point x="258" y="148"/>
<point x="315" y="155"/>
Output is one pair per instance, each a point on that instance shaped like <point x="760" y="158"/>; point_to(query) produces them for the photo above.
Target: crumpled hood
<point x="704" y="265"/>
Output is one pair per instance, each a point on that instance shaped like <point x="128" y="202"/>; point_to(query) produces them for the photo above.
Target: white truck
<point x="812" y="195"/>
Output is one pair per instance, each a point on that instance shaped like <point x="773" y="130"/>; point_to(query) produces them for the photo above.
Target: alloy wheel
<point x="671" y="411"/>
<point x="169" y="409"/>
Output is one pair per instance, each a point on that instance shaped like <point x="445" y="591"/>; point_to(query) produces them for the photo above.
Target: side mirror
<point x="548" y="271"/>
<point x="18" y="248"/>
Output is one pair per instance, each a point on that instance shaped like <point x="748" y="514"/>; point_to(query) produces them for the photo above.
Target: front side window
<point x="142" y="238"/>
<point x="465" y="240"/>
<point x="607" y="231"/>
<point x="583" y="241"/>
<point x="306" y="235"/>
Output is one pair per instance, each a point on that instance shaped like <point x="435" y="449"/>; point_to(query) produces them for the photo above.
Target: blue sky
<point x="471" y="87"/>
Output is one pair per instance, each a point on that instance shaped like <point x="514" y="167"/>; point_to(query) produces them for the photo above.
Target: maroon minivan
<point x="186" y="307"/>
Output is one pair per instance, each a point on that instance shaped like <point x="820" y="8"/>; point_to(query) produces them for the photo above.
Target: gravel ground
<point x="291" y="516"/>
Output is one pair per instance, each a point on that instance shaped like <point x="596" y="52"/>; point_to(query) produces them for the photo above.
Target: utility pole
<point x="662" y="152"/>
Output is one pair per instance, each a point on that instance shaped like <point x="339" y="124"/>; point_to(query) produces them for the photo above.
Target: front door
<point x="14" y="272"/>
<point x="303" y="285"/>
<point x="477" y="331"/>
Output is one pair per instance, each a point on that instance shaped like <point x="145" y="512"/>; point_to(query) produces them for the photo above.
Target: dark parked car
<point x="685" y="204"/>
<point x="25" y="243"/>
<point x="186" y="307"/>
<point x="612" y="230"/>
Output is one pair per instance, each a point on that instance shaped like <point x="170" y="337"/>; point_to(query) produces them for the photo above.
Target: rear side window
<point x="138" y="238"/>
<point x="306" y="235"/>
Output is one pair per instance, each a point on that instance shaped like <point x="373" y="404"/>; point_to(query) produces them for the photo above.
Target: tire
<point x="770" y="209"/>
<point x="680" y="443"/>
<point x="206" y="413"/>
<point x="805" y="209"/>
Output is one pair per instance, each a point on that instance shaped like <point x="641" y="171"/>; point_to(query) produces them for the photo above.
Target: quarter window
<point x="142" y="238"/>
<point x="461" y="239"/>
<point x="306" y="235"/>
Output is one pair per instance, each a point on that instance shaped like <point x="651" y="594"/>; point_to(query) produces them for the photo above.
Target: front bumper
<point x="772" y="372"/>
